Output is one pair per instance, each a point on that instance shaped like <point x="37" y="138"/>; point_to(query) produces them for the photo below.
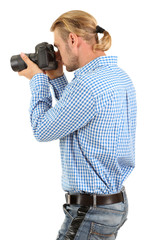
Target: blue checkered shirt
<point x="94" y="118"/>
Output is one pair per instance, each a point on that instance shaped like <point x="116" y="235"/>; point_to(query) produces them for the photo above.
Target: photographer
<point x="95" y="120"/>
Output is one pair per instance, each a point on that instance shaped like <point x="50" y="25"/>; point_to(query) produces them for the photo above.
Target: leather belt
<point x="94" y="199"/>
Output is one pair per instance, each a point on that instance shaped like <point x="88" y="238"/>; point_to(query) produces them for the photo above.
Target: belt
<point x="93" y="199"/>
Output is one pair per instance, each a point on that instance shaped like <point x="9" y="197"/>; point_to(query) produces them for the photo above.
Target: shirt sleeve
<point x="74" y="110"/>
<point x="58" y="85"/>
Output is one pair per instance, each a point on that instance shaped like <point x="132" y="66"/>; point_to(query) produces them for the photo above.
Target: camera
<point x="44" y="57"/>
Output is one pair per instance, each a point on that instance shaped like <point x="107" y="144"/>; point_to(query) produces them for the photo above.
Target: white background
<point x="31" y="196"/>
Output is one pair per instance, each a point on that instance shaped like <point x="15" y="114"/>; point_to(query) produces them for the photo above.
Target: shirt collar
<point x="100" y="61"/>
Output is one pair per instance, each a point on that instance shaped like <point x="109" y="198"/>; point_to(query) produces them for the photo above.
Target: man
<point x="95" y="120"/>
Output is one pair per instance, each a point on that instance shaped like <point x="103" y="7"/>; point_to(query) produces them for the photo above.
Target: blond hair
<point x="83" y="25"/>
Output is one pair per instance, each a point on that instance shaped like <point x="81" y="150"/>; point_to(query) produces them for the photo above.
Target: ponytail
<point x="104" y="43"/>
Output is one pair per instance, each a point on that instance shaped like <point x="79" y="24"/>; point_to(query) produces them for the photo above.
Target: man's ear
<point x="73" y="39"/>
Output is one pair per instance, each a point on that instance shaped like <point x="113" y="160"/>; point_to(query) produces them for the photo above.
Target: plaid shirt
<point x="95" y="120"/>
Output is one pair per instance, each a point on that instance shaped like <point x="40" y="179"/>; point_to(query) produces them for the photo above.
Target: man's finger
<point x="21" y="73"/>
<point x="26" y="59"/>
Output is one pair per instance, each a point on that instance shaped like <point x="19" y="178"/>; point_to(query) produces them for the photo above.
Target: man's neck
<point x="87" y="55"/>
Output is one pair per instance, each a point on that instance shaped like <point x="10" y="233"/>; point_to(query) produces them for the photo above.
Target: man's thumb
<point x="25" y="58"/>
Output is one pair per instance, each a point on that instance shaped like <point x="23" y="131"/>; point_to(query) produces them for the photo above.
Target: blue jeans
<point x="100" y="222"/>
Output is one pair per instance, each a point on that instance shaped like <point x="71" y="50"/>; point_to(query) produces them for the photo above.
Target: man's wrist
<point x="55" y="77"/>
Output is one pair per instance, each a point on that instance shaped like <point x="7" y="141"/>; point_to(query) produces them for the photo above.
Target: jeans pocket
<point x="67" y="212"/>
<point x="100" y="231"/>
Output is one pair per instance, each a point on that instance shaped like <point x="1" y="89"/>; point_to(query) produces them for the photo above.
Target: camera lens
<point x="17" y="64"/>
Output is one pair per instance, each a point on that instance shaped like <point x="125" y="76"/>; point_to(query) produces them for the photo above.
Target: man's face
<point x="69" y="59"/>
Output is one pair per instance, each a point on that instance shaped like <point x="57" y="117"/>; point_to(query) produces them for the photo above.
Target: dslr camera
<point x="44" y="57"/>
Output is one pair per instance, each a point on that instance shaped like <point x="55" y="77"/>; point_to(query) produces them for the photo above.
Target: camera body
<point x="44" y="57"/>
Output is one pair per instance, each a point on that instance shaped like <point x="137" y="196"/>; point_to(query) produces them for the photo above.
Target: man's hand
<point x="52" y="74"/>
<point x="31" y="69"/>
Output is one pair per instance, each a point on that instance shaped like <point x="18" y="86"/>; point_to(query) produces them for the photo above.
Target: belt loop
<point x="124" y="194"/>
<point x="68" y="198"/>
<point x="94" y="200"/>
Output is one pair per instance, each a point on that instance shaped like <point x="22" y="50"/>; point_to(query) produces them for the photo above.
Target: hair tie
<point x="99" y="29"/>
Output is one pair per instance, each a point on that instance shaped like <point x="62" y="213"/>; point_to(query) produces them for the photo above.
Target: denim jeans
<point x="96" y="223"/>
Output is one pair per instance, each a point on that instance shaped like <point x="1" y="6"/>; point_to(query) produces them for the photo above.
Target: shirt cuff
<point x="39" y="82"/>
<point x="59" y="83"/>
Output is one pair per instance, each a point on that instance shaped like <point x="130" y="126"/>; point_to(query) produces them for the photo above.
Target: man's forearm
<point x="41" y="100"/>
<point x="58" y="85"/>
